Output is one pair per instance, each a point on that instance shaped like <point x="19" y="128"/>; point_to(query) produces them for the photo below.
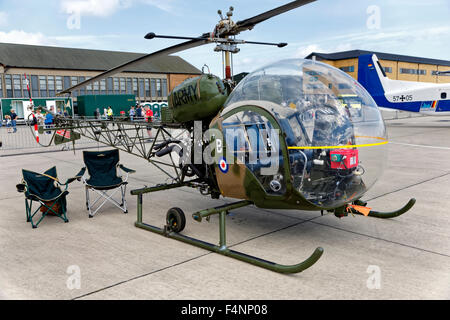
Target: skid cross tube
<point x="222" y="247"/>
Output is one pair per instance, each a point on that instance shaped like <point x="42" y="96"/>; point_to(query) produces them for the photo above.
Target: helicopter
<point x="280" y="139"/>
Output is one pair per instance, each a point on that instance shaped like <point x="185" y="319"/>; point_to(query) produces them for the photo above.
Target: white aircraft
<point x="411" y="96"/>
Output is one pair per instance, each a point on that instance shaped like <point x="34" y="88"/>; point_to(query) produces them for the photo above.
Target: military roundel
<point x="223" y="165"/>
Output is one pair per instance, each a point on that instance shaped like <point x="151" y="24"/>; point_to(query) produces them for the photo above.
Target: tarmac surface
<point x="407" y="257"/>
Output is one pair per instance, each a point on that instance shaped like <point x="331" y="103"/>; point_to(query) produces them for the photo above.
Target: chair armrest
<point x="125" y="169"/>
<point x="80" y="174"/>
<point x="77" y="177"/>
<point x="21" y="187"/>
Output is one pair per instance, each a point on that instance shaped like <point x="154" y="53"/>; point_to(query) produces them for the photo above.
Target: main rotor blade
<point x="164" y="52"/>
<point x="251" y="22"/>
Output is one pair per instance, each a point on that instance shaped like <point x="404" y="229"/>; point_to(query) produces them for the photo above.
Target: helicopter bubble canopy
<point x="334" y="132"/>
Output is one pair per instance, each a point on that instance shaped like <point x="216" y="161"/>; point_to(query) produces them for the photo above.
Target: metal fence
<point x="23" y="141"/>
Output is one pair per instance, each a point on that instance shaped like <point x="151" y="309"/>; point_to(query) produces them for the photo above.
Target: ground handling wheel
<point x="176" y="220"/>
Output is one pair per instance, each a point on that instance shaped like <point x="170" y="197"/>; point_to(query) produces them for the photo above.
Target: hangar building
<point x="396" y="67"/>
<point x="52" y="69"/>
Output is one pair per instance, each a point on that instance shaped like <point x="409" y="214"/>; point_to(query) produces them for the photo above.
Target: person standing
<point x="48" y="121"/>
<point x="97" y="114"/>
<point x="132" y="113"/>
<point x="138" y="112"/>
<point x="110" y="113"/>
<point x="8" y="123"/>
<point x="13" y="116"/>
<point x="39" y="116"/>
<point x="149" y="120"/>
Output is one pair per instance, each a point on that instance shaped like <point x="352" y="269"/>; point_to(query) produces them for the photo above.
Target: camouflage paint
<point x="197" y="98"/>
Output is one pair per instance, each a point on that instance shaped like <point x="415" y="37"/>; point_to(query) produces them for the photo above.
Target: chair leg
<point x="28" y="210"/>
<point x="88" y="203"/>
<point x="103" y="195"/>
<point x="63" y="215"/>
<point x="124" y="201"/>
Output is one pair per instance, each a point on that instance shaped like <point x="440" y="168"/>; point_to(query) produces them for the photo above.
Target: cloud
<point x="78" y="41"/>
<point x="3" y="19"/>
<point x="99" y="8"/>
<point x="303" y="51"/>
<point x="105" y="8"/>
<point x="22" y="37"/>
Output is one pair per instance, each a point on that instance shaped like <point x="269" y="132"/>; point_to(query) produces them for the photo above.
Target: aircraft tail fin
<point x="371" y="75"/>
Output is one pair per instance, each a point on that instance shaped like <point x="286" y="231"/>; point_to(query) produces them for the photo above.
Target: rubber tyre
<point x="176" y="220"/>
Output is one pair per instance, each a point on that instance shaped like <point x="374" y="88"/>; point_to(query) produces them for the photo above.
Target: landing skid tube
<point x="222" y="247"/>
<point x="387" y="215"/>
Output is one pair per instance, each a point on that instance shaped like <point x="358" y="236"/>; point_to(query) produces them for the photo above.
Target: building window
<point x="348" y="69"/>
<point x="129" y="86"/>
<point x="1" y="87"/>
<point x="141" y="88"/>
<point x="135" y="87"/>
<point x="59" y="83"/>
<point x="110" y="85"/>
<point x="43" y="86"/>
<point x="74" y="82"/>
<point x="34" y="86"/>
<point x="8" y="84"/>
<point x="407" y="71"/>
<point x="158" y="88"/>
<point x="164" y="87"/>
<point x="67" y="82"/>
<point x="82" y="89"/>
<point x="147" y="88"/>
<point x="25" y="89"/>
<point x="103" y="86"/>
<point x="51" y="86"/>
<point x="123" y="86"/>
<point x="116" y="85"/>
<point x="153" y="86"/>
<point x="17" y="86"/>
<point x="96" y="87"/>
<point x="413" y="71"/>
<point x="88" y="87"/>
<point x="435" y="73"/>
<point x="387" y="69"/>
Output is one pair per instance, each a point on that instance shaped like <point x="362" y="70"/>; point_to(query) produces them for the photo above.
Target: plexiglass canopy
<point x="334" y="132"/>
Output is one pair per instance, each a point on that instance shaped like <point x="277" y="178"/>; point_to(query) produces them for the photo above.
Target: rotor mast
<point x="223" y="27"/>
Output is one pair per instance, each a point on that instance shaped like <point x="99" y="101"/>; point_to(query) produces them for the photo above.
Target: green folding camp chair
<point x="44" y="189"/>
<point x="102" y="168"/>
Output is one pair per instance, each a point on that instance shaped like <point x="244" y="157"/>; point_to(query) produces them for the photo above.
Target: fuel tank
<point x="197" y="98"/>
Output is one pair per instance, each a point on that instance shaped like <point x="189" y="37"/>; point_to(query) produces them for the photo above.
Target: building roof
<point x="381" y="55"/>
<point x="43" y="57"/>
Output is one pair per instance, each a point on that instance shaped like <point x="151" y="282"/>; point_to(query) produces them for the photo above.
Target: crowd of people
<point x="136" y="113"/>
<point x="45" y="118"/>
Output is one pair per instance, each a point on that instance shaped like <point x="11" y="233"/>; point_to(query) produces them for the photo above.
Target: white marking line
<point x="419" y="145"/>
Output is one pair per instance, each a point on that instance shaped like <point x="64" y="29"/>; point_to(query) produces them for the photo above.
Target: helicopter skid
<point x="388" y="215"/>
<point x="236" y="254"/>
<point x="222" y="247"/>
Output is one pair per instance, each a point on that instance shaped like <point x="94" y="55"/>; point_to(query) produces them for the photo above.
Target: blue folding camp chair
<point x="44" y="189"/>
<point x="102" y="168"/>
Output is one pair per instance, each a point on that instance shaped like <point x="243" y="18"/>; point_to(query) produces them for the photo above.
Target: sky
<point x="410" y="27"/>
